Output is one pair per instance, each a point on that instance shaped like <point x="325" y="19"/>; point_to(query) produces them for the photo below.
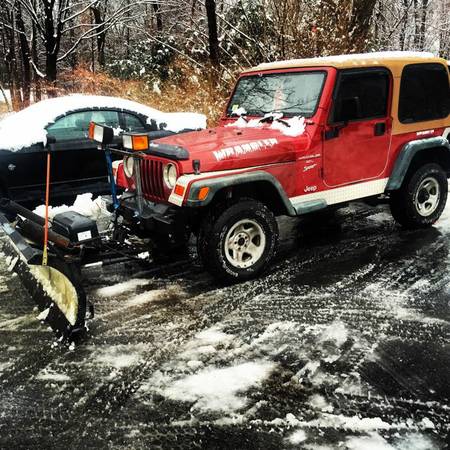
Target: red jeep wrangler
<point x="297" y="136"/>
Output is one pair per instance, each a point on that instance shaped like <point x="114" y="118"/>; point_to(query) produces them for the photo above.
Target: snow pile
<point x="371" y="442"/>
<point x="416" y="441"/>
<point x="319" y="403"/>
<point x="297" y="437"/>
<point x="84" y="204"/>
<point x="205" y="343"/>
<point x="336" y="333"/>
<point x="147" y="297"/>
<point x="5" y="365"/>
<point x="119" y="356"/>
<point x="39" y="115"/>
<point x="294" y="126"/>
<point x="213" y="371"/>
<point x="220" y="389"/>
<point x="49" y="375"/>
<point x="353" y="423"/>
<point x="121" y="288"/>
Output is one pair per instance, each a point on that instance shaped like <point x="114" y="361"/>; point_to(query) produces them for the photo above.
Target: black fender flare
<point x="407" y="154"/>
<point x="218" y="183"/>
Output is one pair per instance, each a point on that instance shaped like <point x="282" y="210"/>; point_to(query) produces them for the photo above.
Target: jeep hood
<point x="229" y="147"/>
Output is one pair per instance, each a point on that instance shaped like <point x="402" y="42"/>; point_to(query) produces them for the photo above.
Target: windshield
<point x="293" y="94"/>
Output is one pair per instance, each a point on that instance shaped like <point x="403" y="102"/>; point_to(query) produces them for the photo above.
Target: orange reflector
<point x="140" y="142"/>
<point x="91" y="130"/>
<point x="203" y="193"/>
<point x="179" y="190"/>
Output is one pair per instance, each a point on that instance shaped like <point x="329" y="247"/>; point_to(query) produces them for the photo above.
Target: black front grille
<point x="152" y="179"/>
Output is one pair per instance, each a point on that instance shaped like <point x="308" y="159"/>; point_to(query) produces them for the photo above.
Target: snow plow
<point x="55" y="286"/>
<point x="48" y="255"/>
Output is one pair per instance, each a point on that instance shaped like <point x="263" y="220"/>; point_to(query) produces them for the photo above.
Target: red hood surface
<point x="225" y="148"/>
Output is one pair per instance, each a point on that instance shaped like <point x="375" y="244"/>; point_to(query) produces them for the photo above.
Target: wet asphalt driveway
<point x="344" y="344"/>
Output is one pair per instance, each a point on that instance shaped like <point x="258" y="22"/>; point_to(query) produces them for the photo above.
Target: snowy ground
<point x="344" y="344"/>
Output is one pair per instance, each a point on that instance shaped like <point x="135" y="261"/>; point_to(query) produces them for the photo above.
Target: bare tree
<point x="213" y="39"/>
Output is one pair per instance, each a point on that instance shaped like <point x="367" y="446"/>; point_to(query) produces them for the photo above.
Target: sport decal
<point x="243" y="149"/>
<point x="309" y="167"/>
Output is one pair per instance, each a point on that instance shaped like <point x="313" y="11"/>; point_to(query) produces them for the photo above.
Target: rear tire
<point x="237" y="242"/>
<point x="422" y="197"/>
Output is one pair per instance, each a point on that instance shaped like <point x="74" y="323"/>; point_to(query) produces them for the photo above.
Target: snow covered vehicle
<point x="296" y="137"/>
<point x="79" y="167"/>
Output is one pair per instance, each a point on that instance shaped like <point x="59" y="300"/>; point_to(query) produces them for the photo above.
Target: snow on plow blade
<point x="55" y="288"/>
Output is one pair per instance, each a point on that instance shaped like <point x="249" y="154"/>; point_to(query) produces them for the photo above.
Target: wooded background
<point x="186" y="53"/>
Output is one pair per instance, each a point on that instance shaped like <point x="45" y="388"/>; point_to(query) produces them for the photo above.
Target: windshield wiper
<point x="240" y="112"/>
<point x="274" y="116"/>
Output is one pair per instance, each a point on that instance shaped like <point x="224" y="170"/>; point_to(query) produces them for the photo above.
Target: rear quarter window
<point x="424" y="93"/>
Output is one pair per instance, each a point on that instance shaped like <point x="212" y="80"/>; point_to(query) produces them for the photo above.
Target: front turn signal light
<point x="179" y="190"/>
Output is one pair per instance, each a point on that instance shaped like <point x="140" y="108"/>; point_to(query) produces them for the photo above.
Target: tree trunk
<point x="159" y="23"/>
<point x="52" y="45"/>
<point x="101" y="37"/>
<point x="416" y="25"/>
<point x="12" y="66"/>
<point x="36" y="78"/>
<point x="362" y="12"/>
<point x="423" y="23"/>
<point x="404" y="25"/>
<point x="25" y="53"/>
<point x="212" y="32"/>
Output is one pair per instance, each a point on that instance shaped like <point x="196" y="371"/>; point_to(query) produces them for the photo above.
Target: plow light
<point x="135" y="142"/>
<point x="100" y="133"/>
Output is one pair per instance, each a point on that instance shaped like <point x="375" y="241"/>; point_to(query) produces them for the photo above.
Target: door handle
<point x="380" y="128"/>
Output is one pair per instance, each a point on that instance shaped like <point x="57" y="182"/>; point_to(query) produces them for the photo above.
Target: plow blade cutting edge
<point x="55" y="288"/>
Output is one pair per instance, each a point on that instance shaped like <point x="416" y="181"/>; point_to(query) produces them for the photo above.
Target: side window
<point x="76" y="125"/>
<point x="424" y="93"/>
<point x="361" y="96"/>
<point x="133" y="123"/>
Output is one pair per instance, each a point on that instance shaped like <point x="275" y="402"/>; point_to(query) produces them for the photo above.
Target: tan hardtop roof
<point x="395" y="61"/>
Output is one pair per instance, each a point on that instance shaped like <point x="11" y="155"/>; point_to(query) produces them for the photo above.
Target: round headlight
<point x="128" y="166"/>
<point x="170" y="175"/>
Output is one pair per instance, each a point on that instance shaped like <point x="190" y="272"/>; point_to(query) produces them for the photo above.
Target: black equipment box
<point x="74" y="226"/>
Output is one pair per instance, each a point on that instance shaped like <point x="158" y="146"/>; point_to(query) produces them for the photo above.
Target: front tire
<point x="238" y="242"/>
<point x="421" y="200"/>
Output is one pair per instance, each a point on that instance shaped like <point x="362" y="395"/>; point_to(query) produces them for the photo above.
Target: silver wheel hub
<point x="244" y="243"/>
<point x="426" y="199"/>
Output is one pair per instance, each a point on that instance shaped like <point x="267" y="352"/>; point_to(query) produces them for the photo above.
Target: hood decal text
<point x="243" y="149"/>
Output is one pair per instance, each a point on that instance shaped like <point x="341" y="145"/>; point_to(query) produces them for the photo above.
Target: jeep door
<point x="357" y="137"/>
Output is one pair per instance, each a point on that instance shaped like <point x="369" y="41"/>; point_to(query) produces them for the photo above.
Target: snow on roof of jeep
<point x="27" y="127"/>
<point x="395" y="58"/>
